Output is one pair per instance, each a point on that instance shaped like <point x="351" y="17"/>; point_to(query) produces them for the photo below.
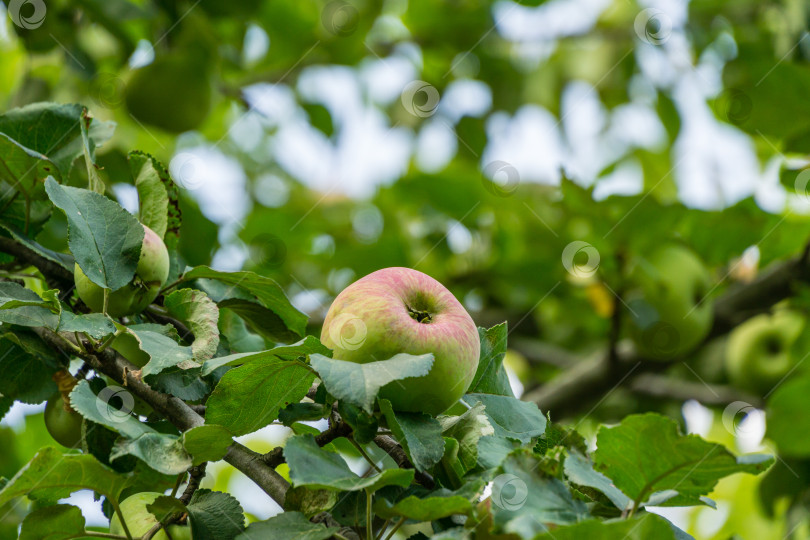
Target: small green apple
<point x="150" y="275"/>
<point x="140" y="520"/>
<point x="758" y="352"/>
<point x="670" y="310"/>
<point x="127" y="346"/>
<point x="64" y="424"/>
<point x="400" y="310"/>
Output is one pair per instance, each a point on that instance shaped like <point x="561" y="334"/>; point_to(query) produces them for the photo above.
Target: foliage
<point x="107" y="100"/>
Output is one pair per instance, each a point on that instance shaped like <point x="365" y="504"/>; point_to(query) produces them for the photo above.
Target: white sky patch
<point x="465" y="97"/>
<point x="436" y="145"/>
<point x="127" y="196"/>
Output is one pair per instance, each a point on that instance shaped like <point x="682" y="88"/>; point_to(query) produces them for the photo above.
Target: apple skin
<point x="140" y="520"/>
<point x="65" y="426"/>
<point x="758" y="352"/>
<point x="127" y="346"/>
<point x="670" y="311"/>
<point x="150" y="275"/>
<point x="375" y="318"/>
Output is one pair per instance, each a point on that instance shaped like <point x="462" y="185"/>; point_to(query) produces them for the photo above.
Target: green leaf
<point x="423" y="509"/>
<point x="25" y="169"/>
<point x="525" y="501"/>
<point x="510" y="417"/>
<point x="26" y="367"/>
<point x="52" y="475"/>
<point x="271" y="383"/>
<point x="55" y="130"/>
<point x="311" y="502"/>
<point x="419" y="434"/>
<point x="288" y="525"/>
<point x="298" y="412"/>
<point x="492" y="451"/>
<point x="490" y="378"/>
<point x="467" y="429"/>
<point x="95" y="325"/>
<point x="200" y="314"/>
<point x="65" y="260"/>
<point x="580" y="471"/>
<point x="24" y="307"/>
<point x="149" y="175"/>
<point x="305" y="347"/>
<point x="645" y="527"/>
<point x="646" y="453"/>
<point x="359" y="384"/>
<point x="257" y="299"/>
<point x="788" y="417"/>
<point x="57" y="522"/>
<point x="104" y="238"/>
<point x="163" y="452"/>
<point x="364" y="425"/>
<point x="312" y="466"/>
<point x="164" y="352"/>
<point x="214" y="514"/>
<point x="207" y="443"/>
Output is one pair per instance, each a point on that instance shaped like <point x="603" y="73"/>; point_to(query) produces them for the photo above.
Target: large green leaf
<point x="57" y="522"/>
<point x="312" y="466"/>
<point x="201" y="315"/>
<point x="359" y="384"/>
<point x="490" y="378"/>
<point x="215" y="515"/>
<point x="257" y="299"/>
<point x="104" y="238"/>
<point x="510" y="417"/>
<point x="788" y="417"/>
<point x="419" y="434"/>
<point x="271" y="383"/>
<point x="288" y="525"/>
<point x="646" y="453"/>
<point x="52" y="475"/>
<point x="646" y="527"/>
<point x="305" y="347"/>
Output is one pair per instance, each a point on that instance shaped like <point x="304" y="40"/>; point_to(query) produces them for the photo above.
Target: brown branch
<point x="393" y="449"/>
<point x="195" y="476"/>
<point x="176" y="411"/>
<point x="56" y="276"/>
<point x="338" y="429"/>
<point x="659" y="386"/>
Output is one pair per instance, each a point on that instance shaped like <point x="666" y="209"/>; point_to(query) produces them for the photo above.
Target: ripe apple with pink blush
<point x="401" y="310"/>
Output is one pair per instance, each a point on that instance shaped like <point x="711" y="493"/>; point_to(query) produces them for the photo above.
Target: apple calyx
<point x="423" y="317"/>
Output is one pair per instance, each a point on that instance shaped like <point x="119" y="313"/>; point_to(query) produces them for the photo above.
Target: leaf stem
<point x="364" y="454"/>
<point x="397" y="525"/>
<point x="369" y="517"/>
<point x="117" y="509"/>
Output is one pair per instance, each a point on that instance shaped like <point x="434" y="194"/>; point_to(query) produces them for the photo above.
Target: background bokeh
<point x="316" y="141"/>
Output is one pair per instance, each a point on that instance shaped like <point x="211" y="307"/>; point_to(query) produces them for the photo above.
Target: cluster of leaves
<point x="229" y="346"/>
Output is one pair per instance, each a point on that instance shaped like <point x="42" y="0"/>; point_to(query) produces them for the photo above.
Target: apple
<point x="140" y="520"/>
<point x="63" y="423"/>
<point x="400" y="310"/>
<point x="670" y="312"/>
<point x="127" y="346"/>
<point x="150" y="275"/>
<point x="758" y="352"/>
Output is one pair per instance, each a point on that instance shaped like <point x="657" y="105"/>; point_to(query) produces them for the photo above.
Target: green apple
<point x="400" y="310"/>
<point x="63" y="423"/>
<point x="758" y="352"/>
<point x="172" y="93"/>
<point x="670" y="311"/>
<point x="150" y="275"/>
<point x="139" y="520"/>
<point x="127" y="346"/>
